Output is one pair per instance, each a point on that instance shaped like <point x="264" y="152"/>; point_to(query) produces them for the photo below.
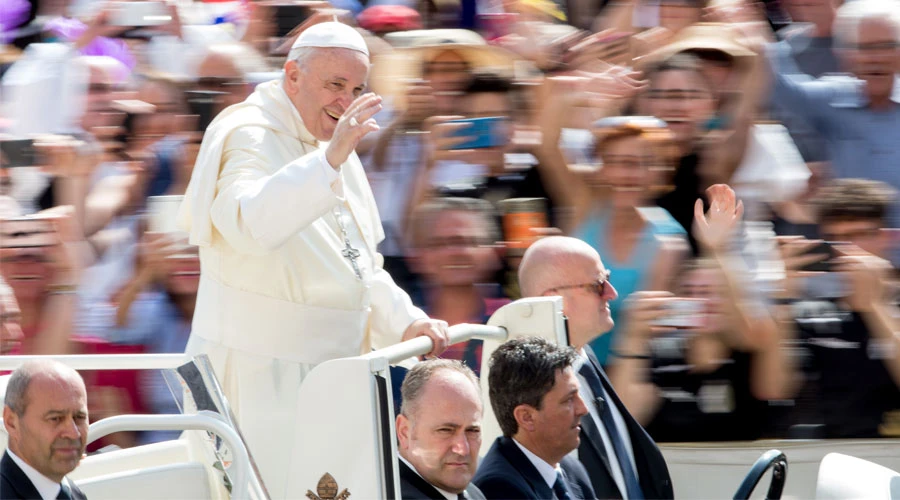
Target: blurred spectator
<point x="453" y="251"/>
<point x="10" y="318"/>
<point x="226" y="68"/>
<point x="845" y="317"/>
<point x="154" y="310"/>
<point x="685" y="375"/>
<point x="680" y="94"/>
<point x="813" y="50"/>
<point x="857" y="115"/>
<point x="423" y="80"/>
<point x="615" y="215"/>
<point x="383" y="19"/>
<point x="482" y="171"/>
<point x="40" y="260"/>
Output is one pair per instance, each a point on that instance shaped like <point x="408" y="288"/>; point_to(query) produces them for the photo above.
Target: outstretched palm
<point x="714" y="229"/>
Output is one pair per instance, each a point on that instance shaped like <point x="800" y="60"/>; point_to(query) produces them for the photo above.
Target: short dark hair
<point x="854" y="199"/>
<point x="414" y="383"/>
<point x="523" y="371"/>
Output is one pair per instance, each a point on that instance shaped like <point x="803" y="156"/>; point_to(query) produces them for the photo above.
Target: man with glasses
<point x="857" y="115"/>
<point x="621" y="459"/>
<point x="846" y="313"/>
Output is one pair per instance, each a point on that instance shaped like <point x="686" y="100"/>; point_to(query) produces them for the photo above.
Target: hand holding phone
<point x="17" y="153"/>
<point x="683" y="313"/>
<point x="489" y="132"/>
<point x="826" y="252"/>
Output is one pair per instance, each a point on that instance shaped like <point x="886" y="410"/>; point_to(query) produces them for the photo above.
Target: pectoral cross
<point x="348" y="252"/>
<point x="351" y="254"/>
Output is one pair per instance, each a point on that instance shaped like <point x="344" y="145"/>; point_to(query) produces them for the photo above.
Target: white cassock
<point x="276" y="294"/>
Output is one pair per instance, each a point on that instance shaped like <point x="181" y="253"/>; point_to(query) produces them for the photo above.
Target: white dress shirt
<point x="446" y="494"/>
<point x="548" y="472"/>
<point x="47" y="487"/>
<point x="584" y="390"/>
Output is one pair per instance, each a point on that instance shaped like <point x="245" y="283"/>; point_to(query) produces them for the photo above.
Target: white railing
<point x="423" y="345"/>
<point x="104" y="361"/>
<point x="239" y="471"/>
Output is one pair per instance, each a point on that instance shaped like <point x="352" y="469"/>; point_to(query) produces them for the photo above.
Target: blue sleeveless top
<point x="631" y="275"/>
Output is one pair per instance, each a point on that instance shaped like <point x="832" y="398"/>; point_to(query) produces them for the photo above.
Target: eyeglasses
<point x="597" y="287"/>
<point x="677" y="95"/>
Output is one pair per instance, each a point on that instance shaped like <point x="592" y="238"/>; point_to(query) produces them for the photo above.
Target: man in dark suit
<point x="535" y="397"/>
<point x="620" y="457"/>
<point x="46" y="417"/>
<point x="439" y="431"/>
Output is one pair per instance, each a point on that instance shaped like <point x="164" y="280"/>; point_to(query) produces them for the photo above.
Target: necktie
<point x="632" y="486"/>
<point x="64" y="493"/>
<point x="560" y="489"/>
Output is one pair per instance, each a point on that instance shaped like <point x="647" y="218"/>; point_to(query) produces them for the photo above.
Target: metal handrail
<point x="203" y="421"/>
<point x="423" y="345"/>
<point x="103" y="361"/>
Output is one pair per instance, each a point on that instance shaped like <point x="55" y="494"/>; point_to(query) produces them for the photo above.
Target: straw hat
<point x="391" y="72"/>
<point x="717" y="37"/>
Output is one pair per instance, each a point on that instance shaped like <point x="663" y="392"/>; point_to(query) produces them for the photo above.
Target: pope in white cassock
<point x="287" y="228"/>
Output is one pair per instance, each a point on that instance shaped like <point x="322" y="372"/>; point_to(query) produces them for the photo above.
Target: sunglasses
<point x="597" y="287"/>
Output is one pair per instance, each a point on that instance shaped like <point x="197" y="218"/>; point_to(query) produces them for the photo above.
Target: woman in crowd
<point x="613" y="209"/>
<point x="686" y="373"/>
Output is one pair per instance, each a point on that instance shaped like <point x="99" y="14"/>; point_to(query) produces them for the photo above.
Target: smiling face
<point x="51" y="434"/>
<point x="324" y="85"/>
<point x="442" y="435"/>
<point x="683" y="99"/>
<point x="455" y="253"/>
<point x="626" y="170"/>
<point x="875" y="58"/>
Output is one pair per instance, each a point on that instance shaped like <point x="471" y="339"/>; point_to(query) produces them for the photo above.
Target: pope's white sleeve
<point x="392" y="309"/>
<point x="259" y="206"/>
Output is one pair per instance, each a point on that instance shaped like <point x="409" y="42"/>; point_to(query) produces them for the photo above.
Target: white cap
<point x="331" y="34"/>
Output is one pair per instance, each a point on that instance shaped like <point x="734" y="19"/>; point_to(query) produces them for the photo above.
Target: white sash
<point x="276" y="328"/>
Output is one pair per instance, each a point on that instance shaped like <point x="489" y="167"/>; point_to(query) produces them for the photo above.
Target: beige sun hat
<point x="392" y="72"/>
<point x="717" y="37"/>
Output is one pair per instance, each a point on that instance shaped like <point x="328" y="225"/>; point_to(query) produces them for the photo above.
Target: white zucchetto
<point x="331" y="34"/>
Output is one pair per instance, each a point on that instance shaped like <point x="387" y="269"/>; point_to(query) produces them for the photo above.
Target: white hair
<point x="852" y="14"/>
<point x="301" y="55"/>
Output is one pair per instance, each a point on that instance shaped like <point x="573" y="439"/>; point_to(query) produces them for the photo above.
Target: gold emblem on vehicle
<point x="327" y="489"/>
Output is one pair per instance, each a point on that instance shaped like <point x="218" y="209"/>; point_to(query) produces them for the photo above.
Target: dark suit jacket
<point x="15" y="485"/>
<point x="414" y="487"/>
<point x="506" y="473"/>
<point x="651" y="466"/>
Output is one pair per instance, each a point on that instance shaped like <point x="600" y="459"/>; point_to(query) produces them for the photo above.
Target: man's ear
<point x="11" y="422"/>
<point x="291" y="77"/>
<point x="524" y="415"/>
<point x="403" y="430"/>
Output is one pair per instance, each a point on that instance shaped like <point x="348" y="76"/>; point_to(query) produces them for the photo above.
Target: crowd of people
<point x="355" y="174"/>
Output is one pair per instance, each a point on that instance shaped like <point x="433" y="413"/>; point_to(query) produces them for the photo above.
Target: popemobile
<point x="345" y="448"/>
